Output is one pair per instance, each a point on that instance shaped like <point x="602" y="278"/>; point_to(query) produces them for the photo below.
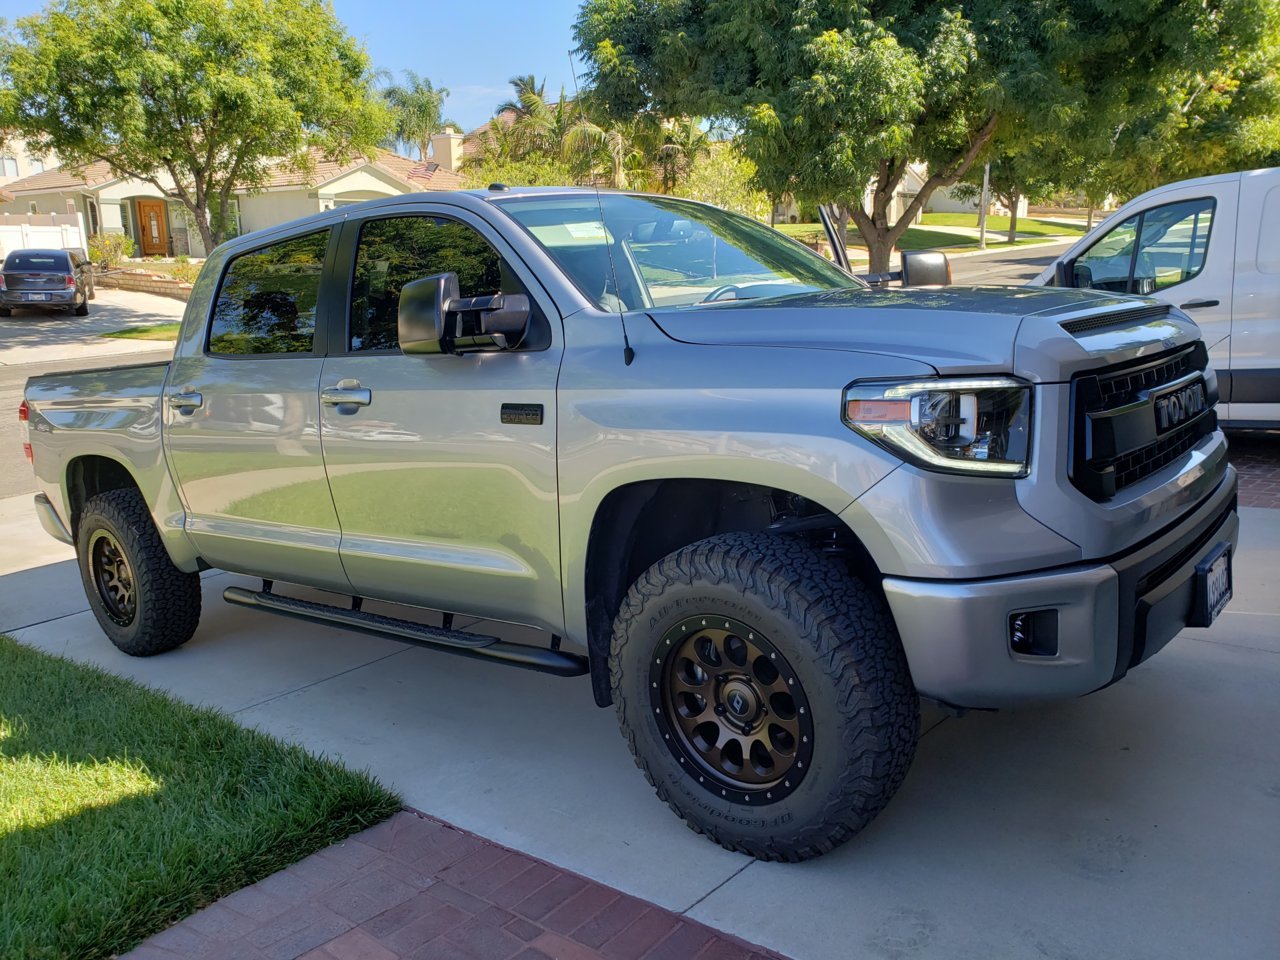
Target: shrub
<point x="109" y="249"/>
<point x="186" y="271"/>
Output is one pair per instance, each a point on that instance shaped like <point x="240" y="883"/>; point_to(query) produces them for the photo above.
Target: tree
<point x="836" y="98"/>
<point x="196" y="97"/>
<point x="417" y="107"/>
<point x="722" y="175"/>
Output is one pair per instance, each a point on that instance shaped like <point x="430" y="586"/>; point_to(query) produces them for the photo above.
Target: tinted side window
<point x="267" y="301"/>
<point x="399" y="250"/>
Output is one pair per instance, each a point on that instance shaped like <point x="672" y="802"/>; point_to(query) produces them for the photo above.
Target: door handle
<point x="186" y="400"/>
<point x="1197" y="304"/>
<point x="346" y="393"/>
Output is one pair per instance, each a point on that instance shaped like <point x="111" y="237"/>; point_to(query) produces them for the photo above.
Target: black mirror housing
<point x="422" y="318"/>
<point x="925" y="268"/>
<point x="433" y="318"/>
<point x="1064" y="273"/>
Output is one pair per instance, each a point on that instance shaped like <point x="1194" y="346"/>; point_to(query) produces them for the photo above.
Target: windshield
<point x="668" y="252"/>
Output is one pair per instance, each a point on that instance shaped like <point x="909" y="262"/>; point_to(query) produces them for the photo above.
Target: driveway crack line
<point x="314" y="683"/>
<point x="732" y="876"/>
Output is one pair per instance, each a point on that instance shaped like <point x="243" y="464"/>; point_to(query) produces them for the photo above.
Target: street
<point x="1012" y="266"/>
<point x="32" y="343"/>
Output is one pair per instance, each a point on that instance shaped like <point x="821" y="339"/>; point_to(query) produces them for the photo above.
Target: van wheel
<point x="5" y="312"/>
<point x="143" y="603"/>
<point x="82" y="308"/>
<point x="764" y="694"/>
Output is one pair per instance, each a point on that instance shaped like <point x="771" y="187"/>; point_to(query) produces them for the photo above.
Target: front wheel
<point x="143" y="603"/>
<point x="764" y="693"/>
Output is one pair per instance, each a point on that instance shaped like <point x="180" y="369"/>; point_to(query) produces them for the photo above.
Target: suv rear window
<point x="267" y="300"/>
<point x="37" y="262"/>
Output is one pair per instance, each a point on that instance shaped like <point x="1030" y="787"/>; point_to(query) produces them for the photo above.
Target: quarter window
<point x="267" y="300"/>
<point x="1150" y="251"/>
<point x="398" y="250"/>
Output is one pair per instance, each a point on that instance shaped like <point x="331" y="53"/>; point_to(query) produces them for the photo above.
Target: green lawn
<point x="122" y="810"/>
<point x="1028" y="225"/>
<point x="157" y="331"/>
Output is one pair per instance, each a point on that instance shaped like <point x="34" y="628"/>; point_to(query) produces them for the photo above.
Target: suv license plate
<point x="1213" y="586"/>
<point x="37" y="296"/>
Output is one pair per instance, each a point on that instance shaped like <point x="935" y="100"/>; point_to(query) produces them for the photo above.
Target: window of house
<point x="399" y="250"/>
<point x="267" y="300"/>
<point x="32" y="207"/>
<point x="10" y="165"/>
<point x="37" y="165"/>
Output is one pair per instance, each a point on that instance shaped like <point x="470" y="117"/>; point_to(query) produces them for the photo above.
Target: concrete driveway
<point x="1143" y="821"/>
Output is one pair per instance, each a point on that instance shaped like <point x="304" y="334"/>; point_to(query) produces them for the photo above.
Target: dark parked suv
<point x="46" y="278"/>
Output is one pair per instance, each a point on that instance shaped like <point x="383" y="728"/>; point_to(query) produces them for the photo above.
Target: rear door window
<point x="267" y="301"/>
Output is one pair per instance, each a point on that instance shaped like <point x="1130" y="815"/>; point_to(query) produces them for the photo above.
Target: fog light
<point x="1034" y="633"/>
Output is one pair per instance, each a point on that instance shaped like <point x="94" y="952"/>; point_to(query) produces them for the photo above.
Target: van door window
<point x="1150" y="251"/>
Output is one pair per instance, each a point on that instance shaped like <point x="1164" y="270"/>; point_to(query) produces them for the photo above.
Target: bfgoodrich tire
<point x="764" y="694"/>
<point x="143" y="603"/>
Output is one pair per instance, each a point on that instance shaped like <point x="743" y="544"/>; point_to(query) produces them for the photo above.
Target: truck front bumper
<point x="1111" y="616"/>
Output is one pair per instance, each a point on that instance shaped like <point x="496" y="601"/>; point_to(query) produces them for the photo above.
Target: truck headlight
<point x="971" y="425"/>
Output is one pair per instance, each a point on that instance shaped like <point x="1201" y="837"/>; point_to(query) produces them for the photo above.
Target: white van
<point x="1211" y="247"/>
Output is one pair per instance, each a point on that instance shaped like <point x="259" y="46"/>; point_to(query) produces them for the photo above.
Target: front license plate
<point x="37" y="296"/>
<point x="1213" y="585"/>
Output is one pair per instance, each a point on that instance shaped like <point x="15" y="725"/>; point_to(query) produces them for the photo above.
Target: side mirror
<point x="433" y="318"/>
<point x="925" y="268"/>
<point x="421" y="321"/>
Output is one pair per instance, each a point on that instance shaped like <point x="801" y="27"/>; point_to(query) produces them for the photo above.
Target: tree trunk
<point x="1089" y="225"/>
<point x="880" y="250"/>
<point x="200" y="214"/>
<point x="1013" y="215"/>
<point x="840" y="218"/>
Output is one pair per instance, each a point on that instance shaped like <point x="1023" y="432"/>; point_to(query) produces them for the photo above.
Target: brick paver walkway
<point x="416" y="888"/>
<point x="1257" y="457"/>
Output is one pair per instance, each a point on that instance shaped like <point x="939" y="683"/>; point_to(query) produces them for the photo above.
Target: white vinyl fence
<point x="60" y="231"/>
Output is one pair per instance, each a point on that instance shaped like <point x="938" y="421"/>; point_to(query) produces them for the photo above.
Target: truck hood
<point x="955" y="329"/>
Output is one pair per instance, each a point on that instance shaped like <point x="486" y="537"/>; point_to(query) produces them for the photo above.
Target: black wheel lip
<point x="111" y="606"/>
<point x="696" y="769"/>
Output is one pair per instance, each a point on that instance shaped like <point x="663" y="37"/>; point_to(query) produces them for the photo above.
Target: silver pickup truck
<point x="764" y="507"/>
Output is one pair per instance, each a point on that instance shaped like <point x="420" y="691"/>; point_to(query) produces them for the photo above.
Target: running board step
<point x="555" y="662"/>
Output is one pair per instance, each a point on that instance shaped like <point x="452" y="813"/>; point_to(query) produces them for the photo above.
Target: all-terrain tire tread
<point x="857" y="647"/>
<point x="168" y="603"/>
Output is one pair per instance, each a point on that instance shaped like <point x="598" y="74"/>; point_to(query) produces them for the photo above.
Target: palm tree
<point x="682" y="143"/>
<point x="419" y="107"/>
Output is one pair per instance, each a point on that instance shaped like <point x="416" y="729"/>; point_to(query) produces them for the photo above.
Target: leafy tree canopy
<point x="833" y="95"/>
<point x="209" y="92"/>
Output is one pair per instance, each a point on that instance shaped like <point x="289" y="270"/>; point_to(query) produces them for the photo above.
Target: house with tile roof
<point x="160" y="225"/>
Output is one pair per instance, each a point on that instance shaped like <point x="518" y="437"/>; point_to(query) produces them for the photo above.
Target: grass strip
<point x="123" y="810"/>
<point x="155" y="331"/>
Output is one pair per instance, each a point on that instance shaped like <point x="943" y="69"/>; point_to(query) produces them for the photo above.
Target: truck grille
<point x="1134" y="419"/>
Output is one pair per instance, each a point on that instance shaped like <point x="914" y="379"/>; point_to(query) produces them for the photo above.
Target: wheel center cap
<point x="740" y="699"/>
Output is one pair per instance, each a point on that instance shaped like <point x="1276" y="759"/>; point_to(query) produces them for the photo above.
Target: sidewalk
<point x="415" y="887"/>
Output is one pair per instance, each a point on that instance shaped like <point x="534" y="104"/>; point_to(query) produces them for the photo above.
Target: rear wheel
<point x="764" y="693"/>
<point x="82" y="308"/>
<point x="143" y="603"/>
<point x="5" y="312"/>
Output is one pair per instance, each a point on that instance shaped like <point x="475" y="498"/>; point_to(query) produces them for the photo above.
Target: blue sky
<point x="472" y="47"/>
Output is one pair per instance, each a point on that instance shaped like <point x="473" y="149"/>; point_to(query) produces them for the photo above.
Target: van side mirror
<point x="433" y="318"/>
<point x="925" y="268"/>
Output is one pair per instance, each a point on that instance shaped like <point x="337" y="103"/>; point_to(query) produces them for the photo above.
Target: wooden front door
<point x="153" y="230"/>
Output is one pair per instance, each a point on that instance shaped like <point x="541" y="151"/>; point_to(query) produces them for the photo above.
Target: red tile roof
<point x="63" y="178"/>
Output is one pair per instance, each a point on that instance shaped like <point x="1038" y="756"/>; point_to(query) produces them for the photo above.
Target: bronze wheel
<point x="113" y="577"/>
<point x="143" y="603"/>
<point x="732" y="708"/>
